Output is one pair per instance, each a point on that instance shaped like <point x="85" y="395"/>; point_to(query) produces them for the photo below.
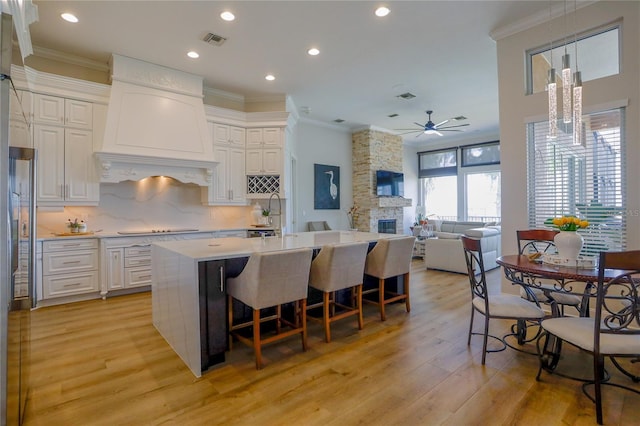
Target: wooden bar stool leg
<point x="406" y="291"/>
<point x="303" y="314"/>
<point x="358" y="290"/>
<point x="383" y="316"/>
<point x="325" y="316"/>
<point x="257" y="344"/>
<point x="278" y="316"/>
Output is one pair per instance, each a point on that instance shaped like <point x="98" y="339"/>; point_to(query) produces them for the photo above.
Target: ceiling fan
<point x="435" y="129"/>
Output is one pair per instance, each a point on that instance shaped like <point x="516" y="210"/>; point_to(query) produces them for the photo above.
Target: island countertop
<point x="232" y="247"/>
<point x="183" y="314"/>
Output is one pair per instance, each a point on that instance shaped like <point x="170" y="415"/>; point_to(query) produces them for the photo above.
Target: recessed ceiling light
<point x="227" y="16"/>
<point x="269" y="77"/>
<point x="193" y="55"/>
<point x="69" y="17"/>
<point x="313" y="51"/>
<point x="382" y="11"/>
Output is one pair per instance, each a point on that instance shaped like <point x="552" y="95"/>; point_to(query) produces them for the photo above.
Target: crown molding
<point x="210" y="91"/>
<point x="68" y="58"/>
<point x="555" y="11"/>
<point x="265" y="98"/>
<point x="52" y="84"/>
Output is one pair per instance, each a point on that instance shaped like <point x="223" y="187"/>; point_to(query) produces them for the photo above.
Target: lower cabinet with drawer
<point x="128" y="267"/>
<point x="69" y="267"/>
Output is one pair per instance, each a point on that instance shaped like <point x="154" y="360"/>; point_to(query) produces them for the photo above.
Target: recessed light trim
<point x="227" y="16"/>
<point x="382" y="11"/>
<point x="193" y="54"/>
<point x="269" y="77"/>
<point x="69" y="17"/>
<point x="313" y="51"/>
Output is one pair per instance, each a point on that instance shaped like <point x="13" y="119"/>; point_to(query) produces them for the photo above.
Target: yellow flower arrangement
<point x="567" y="223"/>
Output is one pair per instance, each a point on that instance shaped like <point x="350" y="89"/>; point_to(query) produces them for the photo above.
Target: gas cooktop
<point x="157" y="231"/>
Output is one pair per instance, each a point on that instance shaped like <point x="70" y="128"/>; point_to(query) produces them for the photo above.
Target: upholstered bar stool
<point x="337" y="267"/>
<point x="391" y="257"/>
<point x="270" y="280"/>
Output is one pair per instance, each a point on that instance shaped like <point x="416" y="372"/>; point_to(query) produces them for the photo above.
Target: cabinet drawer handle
<point x="70" y="245"/>
<point x="71" y="262"/>
<point x="221" y="279"/>
<point x="72" y="285"/>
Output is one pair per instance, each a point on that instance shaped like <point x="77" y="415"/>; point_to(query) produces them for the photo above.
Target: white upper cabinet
<point x="264" y="137"/>
<point x="229" y="179"/>
<point x="64" y="112"/>
<point x="225" y="135"/>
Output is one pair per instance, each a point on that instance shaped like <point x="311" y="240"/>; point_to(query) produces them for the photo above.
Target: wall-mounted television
<point x="389" y="184"/>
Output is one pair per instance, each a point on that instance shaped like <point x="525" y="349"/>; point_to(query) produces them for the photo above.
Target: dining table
<point x="552" y="278"/>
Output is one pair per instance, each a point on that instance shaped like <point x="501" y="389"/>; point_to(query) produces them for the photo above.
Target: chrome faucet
<point x="278" y="230"/>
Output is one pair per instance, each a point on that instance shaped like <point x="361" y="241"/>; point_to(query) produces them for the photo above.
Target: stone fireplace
<point x="376" y="150"/>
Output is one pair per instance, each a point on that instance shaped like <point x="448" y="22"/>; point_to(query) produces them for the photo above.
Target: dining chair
<point x="390" y="257"/>
<point x="503" y="306"/>
<point x="338" y="267"/>
<point x="541" y="241"/>
<point x="271" y="279"/>
<point x="614" y="330"/>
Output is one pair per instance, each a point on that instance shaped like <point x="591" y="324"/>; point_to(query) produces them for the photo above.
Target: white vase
<point x="568" y="244"/>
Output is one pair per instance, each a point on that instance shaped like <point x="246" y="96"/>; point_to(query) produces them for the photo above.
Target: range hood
<point x="155" y="125"/>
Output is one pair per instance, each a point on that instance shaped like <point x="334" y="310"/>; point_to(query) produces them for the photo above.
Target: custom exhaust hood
<point x="155" y="125"/>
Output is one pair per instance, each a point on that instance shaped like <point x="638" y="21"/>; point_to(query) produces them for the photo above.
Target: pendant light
<point x="577" y="89"/>
<point x="552" y="92"/>
<point x="566" y="77"/>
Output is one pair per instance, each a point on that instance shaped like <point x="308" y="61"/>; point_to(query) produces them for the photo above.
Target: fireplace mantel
<point x="394" y="202"/>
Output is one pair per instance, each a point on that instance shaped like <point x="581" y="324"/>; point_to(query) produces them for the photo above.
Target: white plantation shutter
<point x="586" y="181"/>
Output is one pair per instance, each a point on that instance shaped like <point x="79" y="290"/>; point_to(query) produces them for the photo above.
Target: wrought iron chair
<point x="613" y="332"/>
<point x="541" y="241"/>
<point x="337" y="267"/>
<point x="271" y="280"/>
<point x="504" y="306"/>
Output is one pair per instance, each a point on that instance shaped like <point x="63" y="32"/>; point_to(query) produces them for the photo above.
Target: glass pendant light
<point x="552" y="92"/>
<point x="566" y="87"/>
<point x="577" y="108"/>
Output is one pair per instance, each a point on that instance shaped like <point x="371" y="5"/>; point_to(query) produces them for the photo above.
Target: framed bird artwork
<point x="326" y="187"/>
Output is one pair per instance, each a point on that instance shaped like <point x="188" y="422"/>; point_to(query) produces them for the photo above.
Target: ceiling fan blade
<point x="450" y="127"/>
<point x="418" y="124"/>
<point x="451" y="130"/>
<point x="438" y="133"/>
<point x="442" y="122"/>
<point x="411" y="131"/>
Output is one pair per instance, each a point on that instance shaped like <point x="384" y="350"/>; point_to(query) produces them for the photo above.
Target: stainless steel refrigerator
<point x="17" y="253"/>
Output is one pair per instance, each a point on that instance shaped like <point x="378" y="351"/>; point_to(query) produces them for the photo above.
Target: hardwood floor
<point x="103" y="363"/>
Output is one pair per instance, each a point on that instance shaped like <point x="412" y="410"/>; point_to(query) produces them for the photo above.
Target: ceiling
<point x="440" y="51"/>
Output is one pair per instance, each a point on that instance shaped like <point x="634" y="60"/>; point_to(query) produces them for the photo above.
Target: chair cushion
<point x="509" y="306"/>
<point x="480" y="232"/>
<point x="561" y="298"/>
<point x="579" y="332"/>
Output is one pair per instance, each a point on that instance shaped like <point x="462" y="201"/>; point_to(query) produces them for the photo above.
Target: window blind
<point x="587" y="181"/>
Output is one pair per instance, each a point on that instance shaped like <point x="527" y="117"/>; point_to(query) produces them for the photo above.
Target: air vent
<point x="407" y="96"/>
<point x="392" y="115"/>
<point x="338" y="120"/>
<point x="460" y="117"/>
<point x="214" y="39"/>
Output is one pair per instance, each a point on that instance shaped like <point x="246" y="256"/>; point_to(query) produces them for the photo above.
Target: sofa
<point x="445" y="253"/>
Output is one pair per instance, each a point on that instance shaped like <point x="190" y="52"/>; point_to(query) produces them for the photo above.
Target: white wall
<point x="322" y="144"/>
<point x="516" y="108"/>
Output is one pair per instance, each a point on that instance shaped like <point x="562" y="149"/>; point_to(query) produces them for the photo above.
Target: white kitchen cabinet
<point x="229" y="179"/>
<point x="66" y="167"/>
<point x="128" y="267"/>
<point x="63" y="112"/>
<point x="269" y="137"/>
<point x="264" y="161"/>
<point x="19" y="117"/>
<point x="225" y="135"/>
<point x="69" y="267"/>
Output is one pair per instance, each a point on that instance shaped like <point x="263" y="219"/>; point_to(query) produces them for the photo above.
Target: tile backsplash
<point x="157" y="203"/>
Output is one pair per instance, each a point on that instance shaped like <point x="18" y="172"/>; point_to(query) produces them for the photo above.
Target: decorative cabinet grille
<point x="263" y="184"/>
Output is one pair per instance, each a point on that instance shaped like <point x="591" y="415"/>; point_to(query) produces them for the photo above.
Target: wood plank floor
<point x="103" y="363"/>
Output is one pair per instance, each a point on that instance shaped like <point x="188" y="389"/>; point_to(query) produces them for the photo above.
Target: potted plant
<point x="265" y="216"/>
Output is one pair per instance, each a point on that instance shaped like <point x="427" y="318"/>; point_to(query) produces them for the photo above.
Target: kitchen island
<point x="188" y="279"/>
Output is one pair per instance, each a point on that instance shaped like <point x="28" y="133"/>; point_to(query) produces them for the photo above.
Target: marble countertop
<point x="43" y="236"/>
<point x="228" y="248"/>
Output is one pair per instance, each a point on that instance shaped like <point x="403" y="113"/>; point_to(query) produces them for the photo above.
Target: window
<point x="584" y="181"/>
<point x="598" y="56"/>
<point x="470" y="192"/>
